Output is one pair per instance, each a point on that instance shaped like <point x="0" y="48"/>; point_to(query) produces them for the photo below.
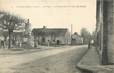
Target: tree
<point x="10" y="22"/>
<point x="86" y="35"/>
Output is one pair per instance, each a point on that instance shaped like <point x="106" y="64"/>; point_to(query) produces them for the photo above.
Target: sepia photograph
<point x="56" y="36"/>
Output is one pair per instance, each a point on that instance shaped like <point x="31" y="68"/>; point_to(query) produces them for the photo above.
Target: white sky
<point x="55" y="17"/>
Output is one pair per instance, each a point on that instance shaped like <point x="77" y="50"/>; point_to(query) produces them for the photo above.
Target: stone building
<point x="105" y="30"/>
<point x="51" y="36"/>
<point x="76" y="39"/>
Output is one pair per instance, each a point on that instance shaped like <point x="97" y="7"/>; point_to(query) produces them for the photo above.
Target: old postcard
<point x="56" y="36"/>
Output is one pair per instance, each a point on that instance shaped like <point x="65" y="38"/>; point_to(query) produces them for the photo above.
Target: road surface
<point x="59" y="60"/>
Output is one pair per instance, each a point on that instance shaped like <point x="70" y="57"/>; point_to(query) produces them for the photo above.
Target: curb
<point x="96" y="69"/>
<point x="90" y="67"/>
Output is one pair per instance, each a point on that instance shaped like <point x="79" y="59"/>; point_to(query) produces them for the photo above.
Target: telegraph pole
<point x="71" y="34"/>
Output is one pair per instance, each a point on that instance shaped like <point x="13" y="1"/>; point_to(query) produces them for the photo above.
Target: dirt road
<point x="59" y="60"/>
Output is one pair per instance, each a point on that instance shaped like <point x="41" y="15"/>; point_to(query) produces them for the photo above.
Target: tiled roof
<point x="50" y="31"/>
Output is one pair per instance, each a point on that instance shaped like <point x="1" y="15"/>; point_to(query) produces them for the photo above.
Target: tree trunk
<point x="9" y="33"/>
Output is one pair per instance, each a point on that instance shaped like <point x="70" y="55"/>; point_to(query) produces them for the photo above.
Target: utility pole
<point x="71" y="33"/>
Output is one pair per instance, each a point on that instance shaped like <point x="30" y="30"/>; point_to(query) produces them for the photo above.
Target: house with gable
<point x="51" y="36"/>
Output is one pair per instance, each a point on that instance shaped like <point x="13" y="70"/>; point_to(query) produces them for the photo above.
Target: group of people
<point x="5" y="43"/>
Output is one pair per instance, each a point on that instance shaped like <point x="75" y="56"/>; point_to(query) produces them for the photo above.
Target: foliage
<point x="10" y="22"/>
<point x="86" y="35"/>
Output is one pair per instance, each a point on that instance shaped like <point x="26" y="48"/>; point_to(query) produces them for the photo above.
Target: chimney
<point x="44" y="27"/>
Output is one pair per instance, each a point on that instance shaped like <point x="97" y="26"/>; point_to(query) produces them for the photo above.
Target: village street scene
<point x="20" y="44"/>
<point x="28" y="49"/>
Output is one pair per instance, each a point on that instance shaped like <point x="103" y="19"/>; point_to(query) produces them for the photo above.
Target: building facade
<point x="76" y="39"/>
<point x="51" y="36"/>
<point x="105" y="30"/>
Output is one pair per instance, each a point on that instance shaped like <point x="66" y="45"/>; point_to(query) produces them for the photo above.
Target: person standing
<point x="2" y="44"/>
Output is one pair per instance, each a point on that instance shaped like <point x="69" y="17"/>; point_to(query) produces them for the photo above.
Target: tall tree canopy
<point x="10" y="22"/>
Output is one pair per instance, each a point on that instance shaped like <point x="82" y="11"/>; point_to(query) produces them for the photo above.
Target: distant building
<point x="51" y="36"/>
<point x="76" y="39"/>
